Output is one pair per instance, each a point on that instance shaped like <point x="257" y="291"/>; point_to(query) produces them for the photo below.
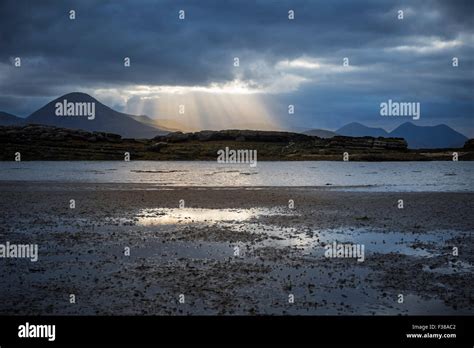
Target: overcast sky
<point x="282" y="61"/>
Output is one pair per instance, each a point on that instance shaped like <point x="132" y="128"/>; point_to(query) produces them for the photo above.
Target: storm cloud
<point x="285" y="61"/>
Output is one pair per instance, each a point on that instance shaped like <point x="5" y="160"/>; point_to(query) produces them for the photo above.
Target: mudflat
<point x="140" y="249"/>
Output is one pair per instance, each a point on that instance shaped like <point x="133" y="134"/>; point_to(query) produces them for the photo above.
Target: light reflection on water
<point x="310" y="242"/>
<point x="172" y="216"/>
<point x="365" y="176"/>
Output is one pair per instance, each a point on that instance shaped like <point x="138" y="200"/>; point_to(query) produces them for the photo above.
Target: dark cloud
<point x="60" y="55"/>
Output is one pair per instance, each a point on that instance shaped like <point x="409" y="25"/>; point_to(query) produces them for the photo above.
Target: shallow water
<point x="170" y="216"/>
<point x="193" y="249"/>
<point x="361" y="176"/>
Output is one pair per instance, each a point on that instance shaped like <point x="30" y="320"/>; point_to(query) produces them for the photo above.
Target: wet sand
<point x="234" y="251"/>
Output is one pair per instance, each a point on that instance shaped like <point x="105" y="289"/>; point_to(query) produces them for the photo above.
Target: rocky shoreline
<point x="39" y="142"/>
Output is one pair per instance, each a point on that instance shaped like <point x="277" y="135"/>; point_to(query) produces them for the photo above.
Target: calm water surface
<point x="365" y="176"/>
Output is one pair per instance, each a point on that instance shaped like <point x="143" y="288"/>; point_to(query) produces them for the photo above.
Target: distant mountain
<point x="417" y="137"/>
<point x="355" y="129"/>
<point x="105" y="120"/>
<point x="322" y="133"/>
<point x="132" y="126"/>
<point x="7" y="119"/>
<point x="429" y="137"/>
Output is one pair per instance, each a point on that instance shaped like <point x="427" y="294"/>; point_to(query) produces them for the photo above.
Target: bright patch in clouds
<point x="303" y="63"/>
<point x="312" y="67"/>
<point x="203" y="110"/>
<point x="425" y="46"/>
<point x="240" y="103"/>
<point x="231" y="87"/>
<point x="235" y="104"/>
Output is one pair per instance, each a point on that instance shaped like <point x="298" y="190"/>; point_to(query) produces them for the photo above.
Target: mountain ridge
<point x="105" y="120"/>
<point x="109" y="120"/>
<point x="429" y="137"/>
<point x="357" y="129"/>
<point x="7" y="119"/>
<point x="417" y="137"/>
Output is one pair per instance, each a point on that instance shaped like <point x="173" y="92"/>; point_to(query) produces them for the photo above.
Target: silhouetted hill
<point x="7" y="119"/>
<point x="417" y="137"/>
<point x="356" y="129"/>
<point x="429" y="137"/>
<point x="106" y="119"/>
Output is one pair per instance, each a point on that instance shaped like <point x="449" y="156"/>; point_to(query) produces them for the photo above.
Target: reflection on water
<point x="310" y="242"/>
<point x="172" y="216"/>
<point x="383" y="242"/>
<point x="365" y="176"/>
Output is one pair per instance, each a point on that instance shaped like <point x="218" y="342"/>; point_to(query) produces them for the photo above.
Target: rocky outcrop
<point x="469" y="145"/>
<point x="235" y="135"/>
<point x="156" y="147"/>
<point x="39" y="142"/>
<point x="286" y="137"/>
<point x="367" y="143"/>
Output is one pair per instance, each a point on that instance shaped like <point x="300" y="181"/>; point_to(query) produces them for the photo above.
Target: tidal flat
<point x="234" y="251"/>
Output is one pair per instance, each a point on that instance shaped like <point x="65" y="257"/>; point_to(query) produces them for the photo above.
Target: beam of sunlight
<point x="204" y="109"/>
